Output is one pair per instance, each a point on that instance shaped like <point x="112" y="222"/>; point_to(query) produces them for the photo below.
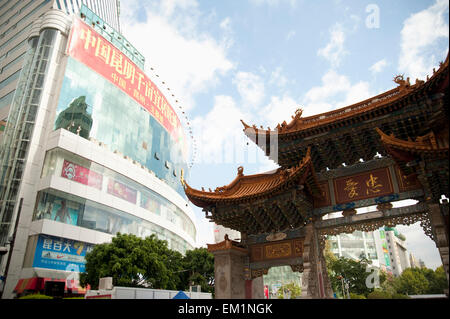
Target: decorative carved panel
<point x="277" y="250"/>
<point x="281" y="250"/>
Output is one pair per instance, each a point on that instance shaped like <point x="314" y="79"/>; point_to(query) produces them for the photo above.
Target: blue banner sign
<point x="61" y="253"/>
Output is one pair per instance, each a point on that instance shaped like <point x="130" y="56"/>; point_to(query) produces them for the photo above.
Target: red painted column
<point x="248" y="289"/>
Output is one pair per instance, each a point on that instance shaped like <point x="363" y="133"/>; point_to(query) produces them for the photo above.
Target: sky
<point x="260" y="60"/>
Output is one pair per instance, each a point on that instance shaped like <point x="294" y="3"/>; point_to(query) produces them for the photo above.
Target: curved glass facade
<point x="94" y="108"/>
<point x="69" y="166"/>
<point x="70" y="209"/>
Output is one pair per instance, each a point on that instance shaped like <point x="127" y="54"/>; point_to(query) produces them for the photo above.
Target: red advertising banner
<point x="93" y="50"/>
<point x="122" y="191"/>
<point x="81" y="175"/>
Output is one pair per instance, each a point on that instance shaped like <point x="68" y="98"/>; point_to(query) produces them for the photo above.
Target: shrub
<point x="356" y="296"/>
<point x="36" y="296"/>
<point x="378" y="294"/>
<point x="400" y="296"/>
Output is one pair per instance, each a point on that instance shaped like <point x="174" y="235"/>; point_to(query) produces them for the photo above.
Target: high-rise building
<point x="16" y="19"/>
<point x="356" y="245"/>
<point x="398" y="252"/>
<point x="91" y="147"/>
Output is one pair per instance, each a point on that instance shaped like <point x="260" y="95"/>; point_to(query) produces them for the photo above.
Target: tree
<point x="439" y="282"/>
<point x="133" y="262"/>
<point x="412" y="281"/>
<point x="199" y="269"/>
<point x="353" y="272"/>
<point x="294" y="290"/>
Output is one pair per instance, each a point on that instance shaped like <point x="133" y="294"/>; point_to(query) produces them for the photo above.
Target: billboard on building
<point x="92" y="49"/>
<point x="105" y="97"/>
<point x="60" y="253"/>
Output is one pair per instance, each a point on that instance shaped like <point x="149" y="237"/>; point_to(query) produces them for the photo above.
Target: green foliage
<point x="353" y="271"/>
<point x="439" y="282"/>
<point x="412" y="281"/>
<point x="135" y="262"/>
<point x="399" y="296"/>
<point x="356" y="296"/>
<point x="379" y="294"/>
<point x="36" y="296"/>
<point x="200" y="265"/>
<point x="292" y="287"/>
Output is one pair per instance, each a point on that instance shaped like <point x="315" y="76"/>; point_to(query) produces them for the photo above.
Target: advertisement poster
<point x="93" y="50"/>
<point x="81" y="175"/>
<point x="122" y="191"/>
<point x="60" y="253"/>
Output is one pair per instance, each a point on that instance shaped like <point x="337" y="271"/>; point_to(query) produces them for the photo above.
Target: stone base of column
<point x="315" y="281"/>
<point x="440" y="233"/>
<point x="229" y="262"/>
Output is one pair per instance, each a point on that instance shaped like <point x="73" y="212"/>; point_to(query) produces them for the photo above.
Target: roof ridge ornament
<point x="402" y="83"/>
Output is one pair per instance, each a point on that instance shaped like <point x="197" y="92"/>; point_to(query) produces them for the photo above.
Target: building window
<point x="9" y="79"/>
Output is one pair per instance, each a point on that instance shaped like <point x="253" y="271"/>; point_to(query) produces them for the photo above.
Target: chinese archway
<point x="391" y="147"/>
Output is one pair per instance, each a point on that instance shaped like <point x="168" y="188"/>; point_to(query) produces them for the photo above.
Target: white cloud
<point x="290" y="35"/>
<point x="278" y="110"/>
<point x="420" y="33"/>
<point x="292" y="3"/>
<point x="226" y="24"/>
<point x="251" y="88"/>
<point x="187" y="60"/>
<point x="277" y="78"/>
<point x="378" y="66"/>
<point x="336" y="91"/>
<point x="420" y="245"/>
<point x="205" y="231"/>
<point x="334" y="50"/>
<point x="219" y="132"/>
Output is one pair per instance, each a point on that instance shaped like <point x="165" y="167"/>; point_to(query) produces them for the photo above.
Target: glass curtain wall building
<point x="91" y="148"/>
<point x="16" y="19"/>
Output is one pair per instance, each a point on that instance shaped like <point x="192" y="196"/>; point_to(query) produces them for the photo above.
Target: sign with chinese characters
<point x="122" y="191"/>
<point x="406" y="183"/>
<point x="278" y="250"/>
<point x="362" y="186"/>
<point x="324" y="200"/>
<point x="60" y="253"/>
<point x="92" y="49"/>
<point x="81" y="175"/>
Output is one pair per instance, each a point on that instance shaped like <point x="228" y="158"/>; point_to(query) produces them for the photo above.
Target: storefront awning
<point x="38" y="284"/>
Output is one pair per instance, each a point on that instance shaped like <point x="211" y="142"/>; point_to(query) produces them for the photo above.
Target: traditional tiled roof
<point x="422" y="144"/>
<point x="247" y="188"/>
<point x="299" y="123"/>
<point x="225" y="245"/>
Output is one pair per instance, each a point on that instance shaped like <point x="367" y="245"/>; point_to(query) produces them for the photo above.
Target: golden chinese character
<point x="372" y="185"/>
<point x="116" y="61"/>
<point x="129" y="71"/>
<point x="114" y="76"/>
<point x="90" y="39"/>
<point x="351" y="188"/>
<point x="122" y="83"/>
<point x="103" y="51"/>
